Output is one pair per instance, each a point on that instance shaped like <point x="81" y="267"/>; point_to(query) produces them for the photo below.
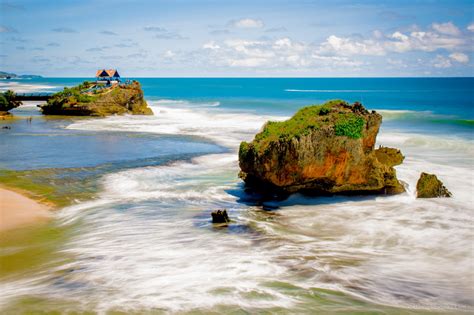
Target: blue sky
<point x="238" y="38"/>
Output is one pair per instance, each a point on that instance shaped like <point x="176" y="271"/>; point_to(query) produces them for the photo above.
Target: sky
<point x="193" y="38"/>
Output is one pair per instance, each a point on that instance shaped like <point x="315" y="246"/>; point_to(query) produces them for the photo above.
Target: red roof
<point x="107" y="73"/>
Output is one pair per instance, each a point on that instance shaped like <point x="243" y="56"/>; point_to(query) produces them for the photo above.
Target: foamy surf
<point x="165" y="102"/>
<point x="225" y="128"/>
<point x="147" y="242"/>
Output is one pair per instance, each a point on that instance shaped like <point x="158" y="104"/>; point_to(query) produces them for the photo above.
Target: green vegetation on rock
<point x="72" y="95"/>
<point x="8" y="101"/>
<point x="349" y="125"/>
<point x="90" y="99"/>
<point x="302" y="123"/>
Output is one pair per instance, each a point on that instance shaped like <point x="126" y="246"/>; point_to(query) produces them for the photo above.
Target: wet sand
<point x="17" y="210"/>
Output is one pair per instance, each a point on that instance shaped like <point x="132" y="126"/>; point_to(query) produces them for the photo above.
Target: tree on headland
<point x="8" y="100"/>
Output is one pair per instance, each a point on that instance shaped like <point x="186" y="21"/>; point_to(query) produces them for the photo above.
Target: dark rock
<point x="220" y="216"/>
<point x="325" y="149"/>
<point x="429" y="186"/>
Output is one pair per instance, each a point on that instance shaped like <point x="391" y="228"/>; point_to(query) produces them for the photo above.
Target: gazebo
<point x="107" y="76"/>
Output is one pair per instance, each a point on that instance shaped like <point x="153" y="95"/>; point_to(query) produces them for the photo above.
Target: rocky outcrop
<point x="429" y="186"/>
<point x="324" y="149"/>
<point x="220" y="216"/>
<point x="88" y="100"/>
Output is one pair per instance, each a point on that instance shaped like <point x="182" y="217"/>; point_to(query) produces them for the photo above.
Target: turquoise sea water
<point x="448" y="96"/>
<point x="143" y="241"/>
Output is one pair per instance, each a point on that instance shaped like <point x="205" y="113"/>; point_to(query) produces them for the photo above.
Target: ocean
<point x="134" y="234"/>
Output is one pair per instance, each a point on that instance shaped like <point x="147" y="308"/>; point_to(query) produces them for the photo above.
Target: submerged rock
<point x="87" y="99"/>
<point x="220" y="216"/>
<point x="323" y="149"/>
<point x="429" y="186"/>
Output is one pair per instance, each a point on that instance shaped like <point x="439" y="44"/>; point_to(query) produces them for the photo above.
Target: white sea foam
<point x="147" y="241"/>
<point x="24" y="88"/>
<point x="391" y="245"/>
<point x="227" y="129"/>
<point x="165" y="102"/>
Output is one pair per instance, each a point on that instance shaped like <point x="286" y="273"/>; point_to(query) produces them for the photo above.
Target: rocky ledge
<point x="88" y="99"/>
<point x="322" y="149"/>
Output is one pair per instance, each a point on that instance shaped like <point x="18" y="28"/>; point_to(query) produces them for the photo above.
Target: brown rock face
<point x="325" y="149"/>
<point x="429" y="186"/>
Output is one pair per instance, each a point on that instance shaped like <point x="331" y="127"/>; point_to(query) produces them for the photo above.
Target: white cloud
<point x="470" y="27"/>
<point x="248" y="23"/>
<point x="211" y="45"/>
<point x="422" y="41"/>
<point x="377" y="34"/>
<point x="169" y="54"/>
<point x="459" y="57"/>
<point x="347" y="47"/>
<point x="336" y="61"/>
<point x="339" y="53"/>
<point x="280" y="53"/>
<point x="397" y="63"/>
<point x="247" y="62"/>
<point x="447" y="28"/>
<point x="399" y="42"/>
<point x="258" y="49"/>
<point x="441" y="62"/>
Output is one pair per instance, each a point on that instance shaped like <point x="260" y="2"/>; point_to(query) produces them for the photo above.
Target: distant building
<point x="107" y="76"/>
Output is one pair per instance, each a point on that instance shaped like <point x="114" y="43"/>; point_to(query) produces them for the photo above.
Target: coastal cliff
<point x="323" y="149"/>
<point x="88" y="99"/>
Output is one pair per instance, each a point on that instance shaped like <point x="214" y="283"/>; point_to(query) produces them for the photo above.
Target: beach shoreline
<point x="18" y="210"/>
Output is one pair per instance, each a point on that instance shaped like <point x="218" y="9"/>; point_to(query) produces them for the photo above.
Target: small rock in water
<point x="6" y="127"/>
<point x="429" y="186"/>
<point x="220" y="216"/>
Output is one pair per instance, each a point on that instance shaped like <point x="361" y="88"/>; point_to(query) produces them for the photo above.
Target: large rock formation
<point x="87" y="99"/>
<point x="429" y="186"/>
<point x="325" y="149"/>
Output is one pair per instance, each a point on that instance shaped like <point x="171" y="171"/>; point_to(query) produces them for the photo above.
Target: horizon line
<point x="282" y="77"/>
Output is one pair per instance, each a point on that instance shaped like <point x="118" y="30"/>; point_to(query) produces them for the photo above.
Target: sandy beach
<point x="17" y="210"/>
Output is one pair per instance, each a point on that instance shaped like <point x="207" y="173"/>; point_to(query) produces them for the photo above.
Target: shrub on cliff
<point x="8" y="101"/>
<point x="305" y="120"/>
<point x="71" y="96"/>
<point x="349" y="125"/>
